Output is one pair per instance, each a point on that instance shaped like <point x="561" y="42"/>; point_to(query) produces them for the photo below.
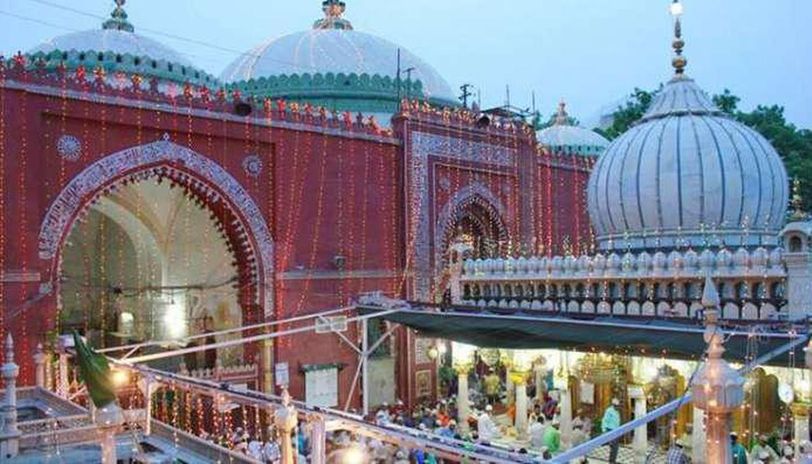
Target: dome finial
<point x="798" y="213"/>
<point x="333" y="11"/>
<point x="118" y="19"/>
<point x="561" y="117"/>
<point x="679" y="62"/>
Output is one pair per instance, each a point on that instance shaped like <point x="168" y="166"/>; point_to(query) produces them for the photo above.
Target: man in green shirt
<point x="739" y="453"/>
<point x="552" y="438"/>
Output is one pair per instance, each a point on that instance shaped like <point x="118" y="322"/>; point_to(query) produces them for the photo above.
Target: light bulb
<point x="676" y="8"/>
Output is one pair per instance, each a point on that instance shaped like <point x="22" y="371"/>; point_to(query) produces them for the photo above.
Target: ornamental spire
<point x="333" y="11"/>
<point x="561" y="117"/>
<point x="798" y="213"/>
<point x="118" y="19"/>
<point x="678" y="62"/>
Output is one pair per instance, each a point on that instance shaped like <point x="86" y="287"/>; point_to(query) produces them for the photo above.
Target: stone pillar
<point x="9" y="434"/>
<point x="286" y="420"/>
<point x="148" y="386"/>
<point x="39" y="366"/>
<point x="463" y="402"/>
<point x="318" y="438"/>
<point x="459" y="251"/>
<point x="267" y="366"/>
<point x="62" y="385"/>
<point x="566" y="417"/>
<point x="538" y="373"/>
<point x="717" y="388"/>
<point x="640" y="439"/>
<point x="800" y="415"/>
<point x="519" y="380"/>
<point x="109" y="419"/>
<point x="698" y="437"/>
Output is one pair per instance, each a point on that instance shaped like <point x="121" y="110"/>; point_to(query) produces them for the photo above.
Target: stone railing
<point x="751" y="283"/>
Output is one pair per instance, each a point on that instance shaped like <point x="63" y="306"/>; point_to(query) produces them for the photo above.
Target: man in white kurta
<point x="486" y="427"/>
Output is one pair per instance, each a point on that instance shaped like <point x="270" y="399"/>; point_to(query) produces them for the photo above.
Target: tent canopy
<point x="517" y="329"/>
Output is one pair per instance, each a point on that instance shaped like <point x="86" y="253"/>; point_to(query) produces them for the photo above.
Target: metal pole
<point x="365" y="366"/>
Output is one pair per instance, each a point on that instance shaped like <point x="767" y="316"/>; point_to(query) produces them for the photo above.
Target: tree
<point x="792" y="144"/>
<point x="632" y="111"/>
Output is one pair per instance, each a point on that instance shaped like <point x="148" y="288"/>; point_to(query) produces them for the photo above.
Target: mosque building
<point x="154" y="201"/>
<point x="332" y="176"/>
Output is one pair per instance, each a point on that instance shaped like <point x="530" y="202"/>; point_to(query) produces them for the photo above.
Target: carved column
<point x="286" y="421"/>
<point x="463" y="402"/>
<point x="717" y="388"/>
<point x="39" y="366"/>
<point x="520" y="381"/>
<point x="640" y="440"/>
<point x="10" y="434"/>
<point x="318" y="439"/>
<point x="800" y="416"/>
<point x="566" y="416"/>
<point x="698" y="438"/>
<point x="108" y="421"/>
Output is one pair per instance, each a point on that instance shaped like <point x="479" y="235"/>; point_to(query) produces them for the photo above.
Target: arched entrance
<point x="155" y="234"/>
<point x="474" y="214"/>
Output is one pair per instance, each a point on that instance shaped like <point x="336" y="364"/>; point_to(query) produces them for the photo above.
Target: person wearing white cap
<point x="611" y="421"/>
<point x="486" y="428"/>
<point x="763" y="446"/>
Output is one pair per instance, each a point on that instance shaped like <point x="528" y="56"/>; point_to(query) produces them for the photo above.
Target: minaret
<point x="9" y="433"/>
<point x="333" y="11"/>
<point x="118" y="19"/>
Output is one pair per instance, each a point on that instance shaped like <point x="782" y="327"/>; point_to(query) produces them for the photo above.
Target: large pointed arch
<point x="475" y="194"/>
<point x="209" y="182"/>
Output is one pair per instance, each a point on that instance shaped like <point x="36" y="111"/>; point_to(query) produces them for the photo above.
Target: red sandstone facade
<point x="317" y="207"/>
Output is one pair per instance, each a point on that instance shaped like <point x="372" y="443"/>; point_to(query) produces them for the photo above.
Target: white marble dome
<point x="112" y="41"/>
<point x="686" y="174"/>
<point x="117" y="48"/>
<point x="564" y="137"/>
<point x="332" y="46"/>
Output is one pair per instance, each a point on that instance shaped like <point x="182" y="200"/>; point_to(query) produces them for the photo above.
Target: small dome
<point x="332" y="61"/>
<point x="116" y="47"/>
<point x="564" y="137"/>
<point x="113" y="41"/>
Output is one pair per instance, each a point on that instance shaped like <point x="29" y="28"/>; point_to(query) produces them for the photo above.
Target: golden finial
<point x="678" y="62"/>
<point x="797" y="201"/>
<point x="333" y="11"/>
<point x="561" y="117"/>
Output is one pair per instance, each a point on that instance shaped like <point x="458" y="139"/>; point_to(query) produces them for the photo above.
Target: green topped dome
<point x="117" y="48"/>
<point x="337" y="67"/>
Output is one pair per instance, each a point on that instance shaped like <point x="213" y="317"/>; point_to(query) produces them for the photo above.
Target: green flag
<point x="94" y="371"/>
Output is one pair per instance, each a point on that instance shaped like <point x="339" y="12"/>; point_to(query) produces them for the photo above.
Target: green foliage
<point x="626" y="115"/>
<point x="792" y="144"/>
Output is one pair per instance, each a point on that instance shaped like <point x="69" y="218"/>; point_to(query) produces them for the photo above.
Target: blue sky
<point x="589" y="52"/>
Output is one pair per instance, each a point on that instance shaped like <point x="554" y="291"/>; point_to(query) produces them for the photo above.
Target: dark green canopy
<point x="680" y="338"/>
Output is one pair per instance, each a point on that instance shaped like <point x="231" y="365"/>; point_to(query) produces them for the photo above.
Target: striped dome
<point x="686" y="174"/>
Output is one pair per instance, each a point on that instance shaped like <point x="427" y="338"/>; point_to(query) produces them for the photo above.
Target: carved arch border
<point x="472" y="194"/>
<point x="93" y="181"/>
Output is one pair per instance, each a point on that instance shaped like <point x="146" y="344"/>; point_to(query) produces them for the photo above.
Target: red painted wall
<point x="327" y="189"/>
